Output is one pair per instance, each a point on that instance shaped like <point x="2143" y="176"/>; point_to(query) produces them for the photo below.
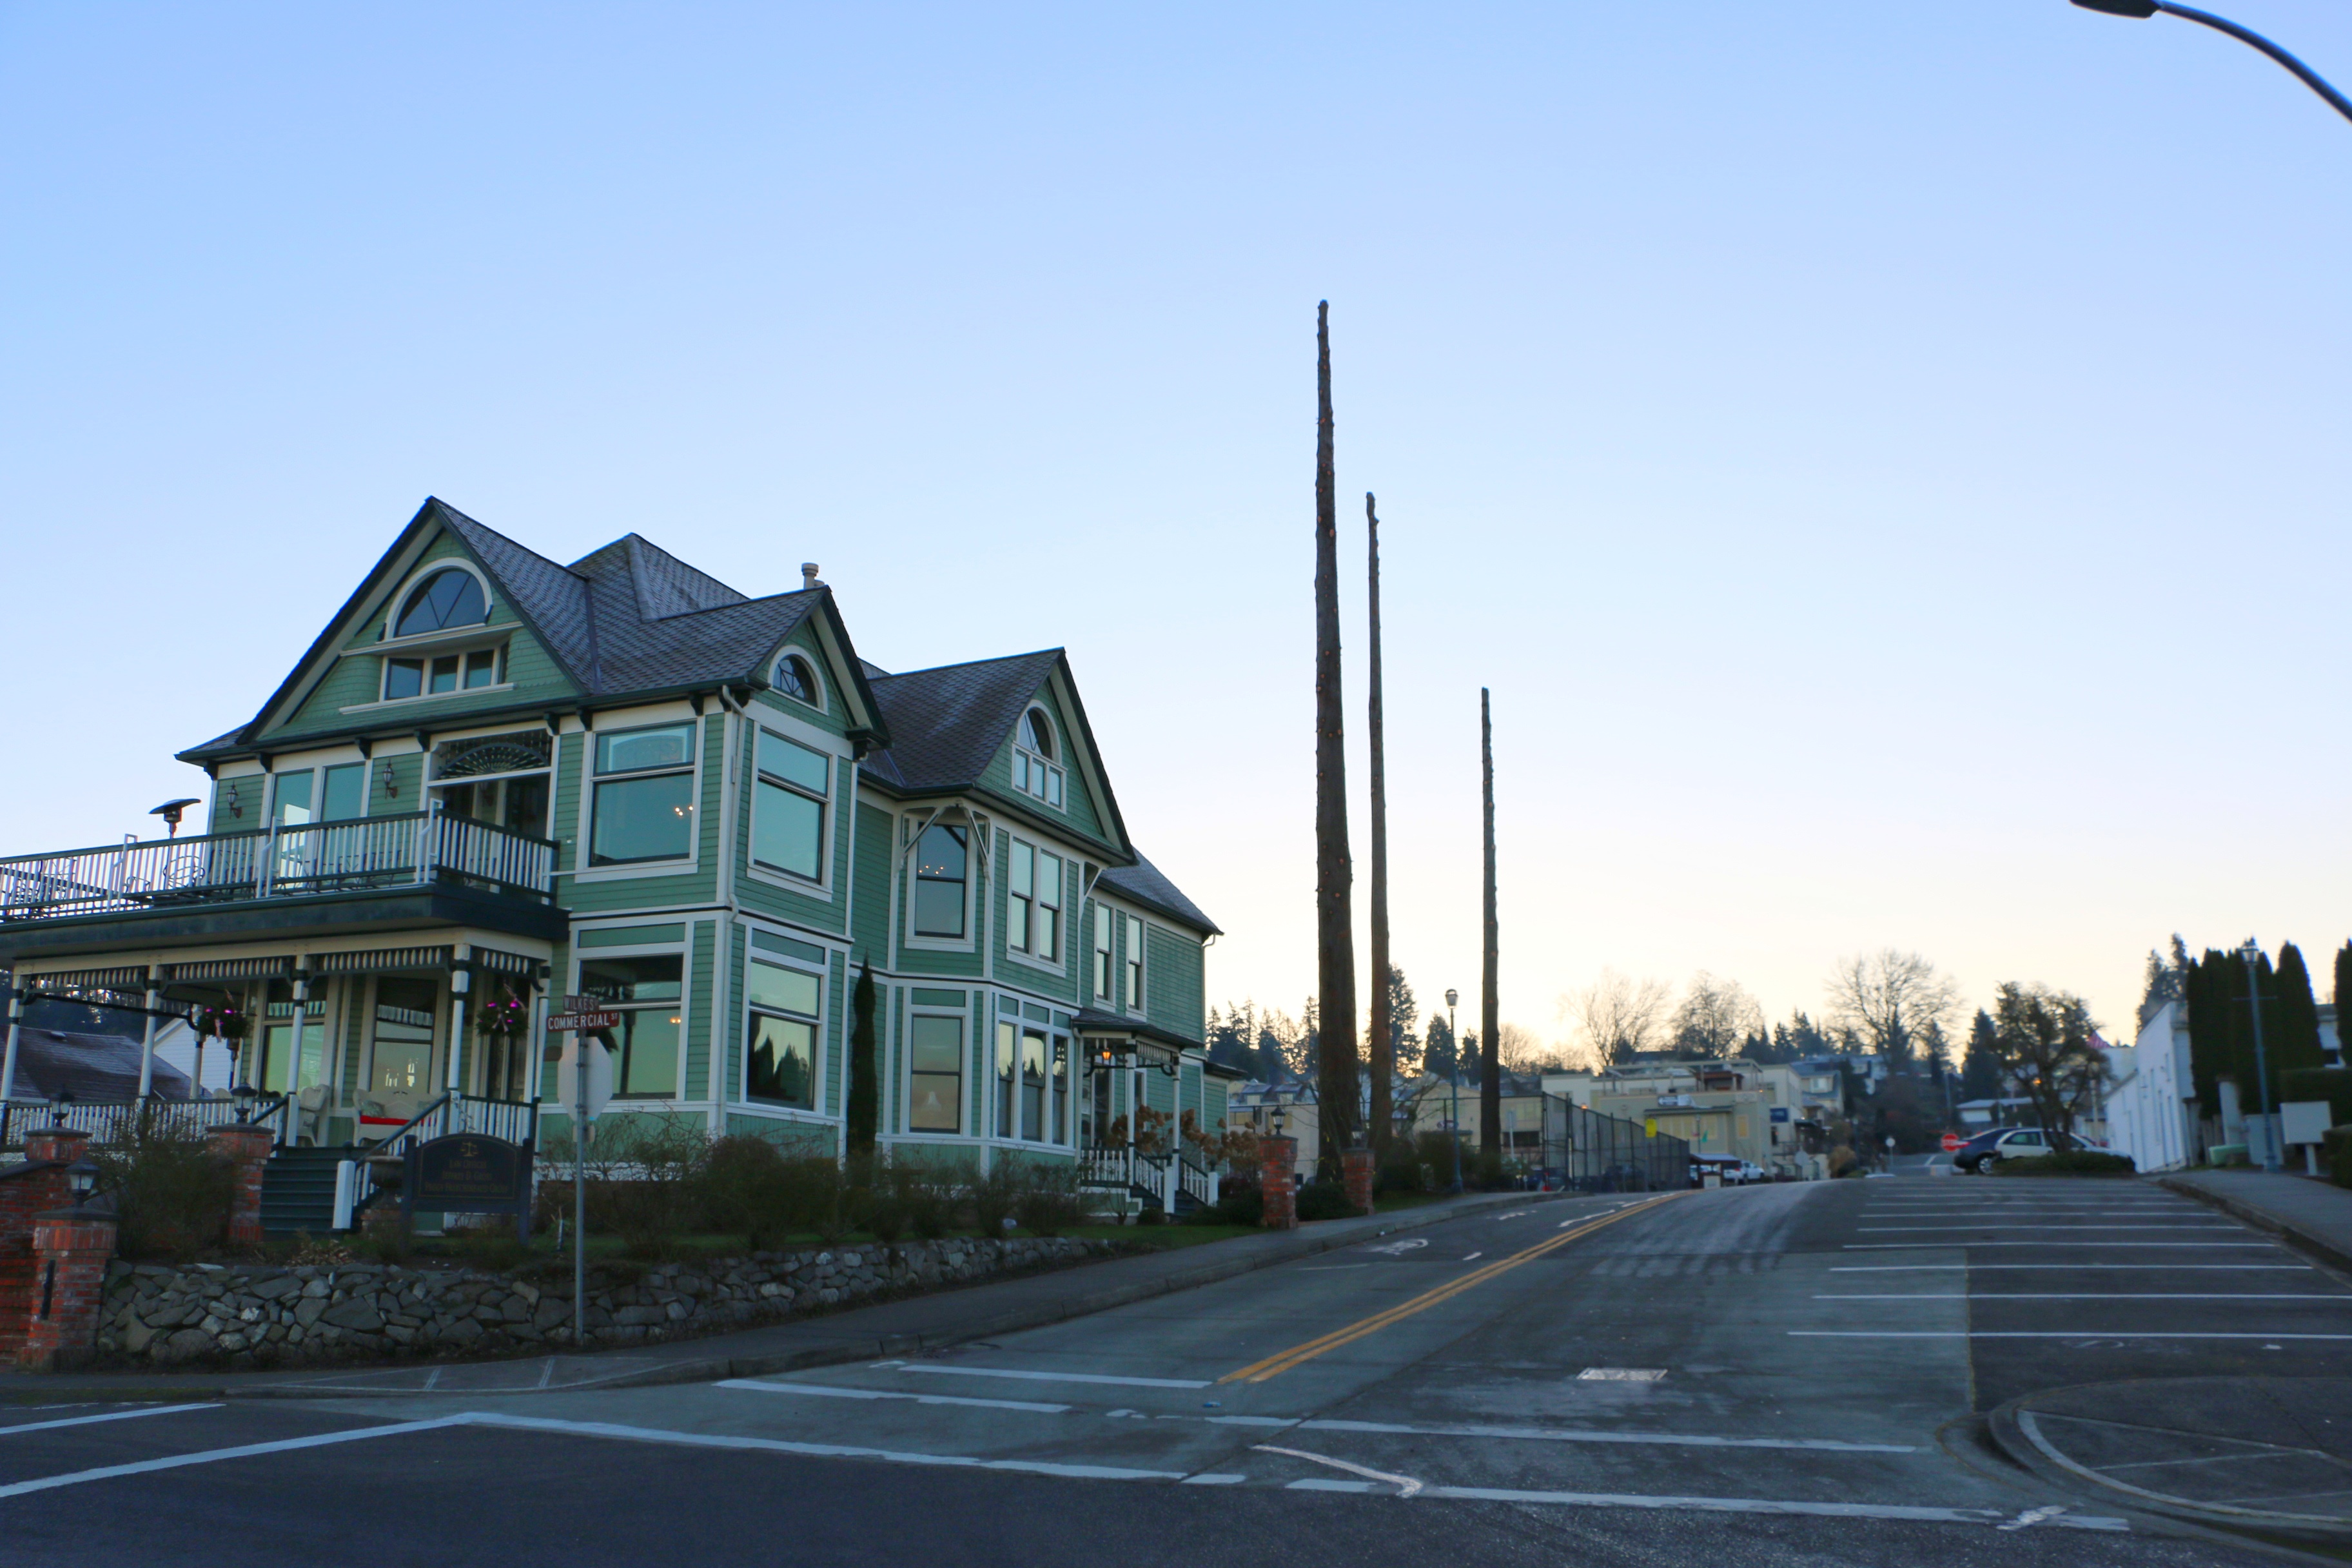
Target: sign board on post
<point x="1952" y="1141"/>
<point x="599" y="1076"/>
<point x="469" y="1173"/>
<point x="1780" y="1114"/>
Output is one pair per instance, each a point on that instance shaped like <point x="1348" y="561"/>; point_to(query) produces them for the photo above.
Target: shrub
<point x="172" y="1194"/>
<point x="1243" y="1205"/>
<point x="385" y="1235"/>
<point x="1048" y="1204"/>
<point x="744" y="1189"/>
<point x="994" y="1193"/>
<point x="2336" y="1150"/>
<point x="1842" y="1161"/>
<point x="2067" y="1163"/>
<point x="1325" y="1200"/>
<point x="926" y="1195"/>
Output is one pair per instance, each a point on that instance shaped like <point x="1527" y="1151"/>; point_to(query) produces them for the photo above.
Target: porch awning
<point x="1092" y="1023"/>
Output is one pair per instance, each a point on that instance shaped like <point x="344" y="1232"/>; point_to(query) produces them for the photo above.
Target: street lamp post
<point x="2141" y="10"/>
<point x="2252" y="953"/>
<point x="1454" y="1116"/>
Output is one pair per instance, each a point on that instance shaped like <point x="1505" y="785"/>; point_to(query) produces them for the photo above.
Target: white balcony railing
<point x="367" y="852"/>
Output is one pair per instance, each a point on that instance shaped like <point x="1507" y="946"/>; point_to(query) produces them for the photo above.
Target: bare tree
<point x="1618" y="1015"/>
<point x="1335" y="924"/>
<point x="2044" y="1039"/>
<point x="1523" y="1051"/>
<point x="1889" y="1000"/>
<point x="1714" y="1017"/>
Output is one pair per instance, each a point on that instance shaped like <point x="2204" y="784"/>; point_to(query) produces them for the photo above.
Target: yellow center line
<point x="1283" y="1361"/>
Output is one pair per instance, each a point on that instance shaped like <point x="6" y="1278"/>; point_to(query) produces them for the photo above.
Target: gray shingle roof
<point x="948" y="725"/>
<point x="1144" y="883"/>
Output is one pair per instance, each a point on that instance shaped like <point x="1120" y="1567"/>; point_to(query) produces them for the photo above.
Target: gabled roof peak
<point x="664" y="584"/>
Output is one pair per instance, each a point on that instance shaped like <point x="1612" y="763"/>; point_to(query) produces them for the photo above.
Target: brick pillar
<point x="246" y="1148"/>
<point x="1355" y="1165"/>
<point x="1280" y="1176"/>
<point x="27" y="1191"/>
<point x="70" y="1250"/>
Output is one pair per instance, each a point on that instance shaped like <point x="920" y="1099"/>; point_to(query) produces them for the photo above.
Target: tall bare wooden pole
<point x="1490" y="1068"/>
<point x="1335" y="922"/>
<point x="1378" y="1024"/>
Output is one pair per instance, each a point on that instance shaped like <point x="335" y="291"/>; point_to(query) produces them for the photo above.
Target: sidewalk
<point x="2314" y="1215"/>
<point x="891" y="1328"/>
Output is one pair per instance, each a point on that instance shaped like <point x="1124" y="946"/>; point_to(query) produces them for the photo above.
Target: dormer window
<point x="438" y="677"/>
<point x="449" y="597"/>
<point x="1034" y="772"/>
<point x="796" y="680"/>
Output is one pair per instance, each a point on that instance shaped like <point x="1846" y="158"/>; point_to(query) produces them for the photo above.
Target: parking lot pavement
<point x="2085" y="1282"/>
<point x="1629" y="1380"/>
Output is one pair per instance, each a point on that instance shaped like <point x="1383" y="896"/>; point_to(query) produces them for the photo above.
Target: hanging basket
<point x="223" y="1023"/>
<point x="505" y="1020"/>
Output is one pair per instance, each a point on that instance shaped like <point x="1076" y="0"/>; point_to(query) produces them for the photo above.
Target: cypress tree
<point x="2211" y="983"/>
<point x="864" y="1104"/>
<point x="2296" y="1043"/>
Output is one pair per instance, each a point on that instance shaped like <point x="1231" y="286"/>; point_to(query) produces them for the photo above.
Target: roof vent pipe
<point x="808" y="576"/>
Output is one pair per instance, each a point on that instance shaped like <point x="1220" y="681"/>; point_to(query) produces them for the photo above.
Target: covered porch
<point x="1145" y="1090"/>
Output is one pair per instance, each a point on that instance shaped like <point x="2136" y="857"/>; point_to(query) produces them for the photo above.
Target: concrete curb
<point x="848" y="1346"/>
<point x="2304" y="1241"/>
<point x="2043" y="1461"/>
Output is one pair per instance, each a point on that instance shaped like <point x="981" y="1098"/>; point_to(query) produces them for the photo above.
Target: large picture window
<point x="1032" y="921"/>
<point x="780" y="1063"/>
<point x="643" y="807"/>
<point x="941" y="859"/>
<point x="788" y="817"/>
<point x="648" y="992"/>
<point x="1032" y="1082"/>
<point x="935" y="1079"/>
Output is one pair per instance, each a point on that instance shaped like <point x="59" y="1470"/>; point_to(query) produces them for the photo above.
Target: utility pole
<point x="1453" y="1117"/>
<point x="1490" y="1084"/>
<point x="1379" y="1023"/>
<point x="1335" y="925"/>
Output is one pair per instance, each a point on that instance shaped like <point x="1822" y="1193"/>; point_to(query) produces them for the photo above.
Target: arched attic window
<point x="449" y="597"/>
<point x="795" y="679"/>
<point x="1034" y="772"/>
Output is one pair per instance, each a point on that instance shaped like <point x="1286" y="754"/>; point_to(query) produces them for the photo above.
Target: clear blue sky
<point x="1888" y="460"/>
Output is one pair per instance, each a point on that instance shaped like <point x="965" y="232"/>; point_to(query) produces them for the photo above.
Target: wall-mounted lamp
<point x="383" y="776"/>
<point x="236" y="801"/>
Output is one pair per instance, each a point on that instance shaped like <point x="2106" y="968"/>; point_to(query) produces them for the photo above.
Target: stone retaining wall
<point x="259" y="1315"/>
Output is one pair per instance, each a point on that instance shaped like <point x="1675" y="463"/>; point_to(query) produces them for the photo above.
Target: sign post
<point x="585" y="1083"/>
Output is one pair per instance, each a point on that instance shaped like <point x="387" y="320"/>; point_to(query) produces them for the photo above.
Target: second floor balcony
<point x="419" y="867"/>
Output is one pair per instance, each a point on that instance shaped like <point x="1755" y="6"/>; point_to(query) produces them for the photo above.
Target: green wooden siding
<point x="533" y="675"/>
<point x="870" y="886"/>
<point x="701" y="970"/>
<point x="1171" y="983"/>
<point x="1082" y="813"/>
<point x="601" y="896"/>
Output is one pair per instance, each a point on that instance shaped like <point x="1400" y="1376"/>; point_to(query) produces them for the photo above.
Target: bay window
<point x="781" y="1039"/>
<point x="935" y="1081"/>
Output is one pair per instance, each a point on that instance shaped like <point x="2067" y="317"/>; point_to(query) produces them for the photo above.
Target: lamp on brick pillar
<point x="1278" y="1174"/>
<point x="71" y="1247"/>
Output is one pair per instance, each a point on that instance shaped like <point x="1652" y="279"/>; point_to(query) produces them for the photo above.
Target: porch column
<point x="460" y="980"/>
<point x="147" y="1043"/>
<point x="294" y="1051"/>
<point x="532" y="1090"/>
<point x="16" y="1027"/>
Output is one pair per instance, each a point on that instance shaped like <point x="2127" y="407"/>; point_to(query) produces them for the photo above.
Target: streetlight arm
<point x="2141" y="9"/>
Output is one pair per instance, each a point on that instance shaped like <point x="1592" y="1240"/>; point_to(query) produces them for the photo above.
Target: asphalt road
<point x="1776" y="1376"/>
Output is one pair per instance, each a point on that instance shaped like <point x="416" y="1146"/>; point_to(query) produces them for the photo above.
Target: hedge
<point x="2333" y="1085"/>
<point x="2337" y="1151"/>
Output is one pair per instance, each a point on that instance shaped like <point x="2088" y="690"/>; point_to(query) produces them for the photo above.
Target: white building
<point x="2151" y="1100"/>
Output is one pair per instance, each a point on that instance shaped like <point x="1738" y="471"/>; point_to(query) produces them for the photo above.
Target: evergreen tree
<point x="1403" y="1013"/>
<point x="2296" y="1043"/>
<point x="1437" y="1049"/>
<point x="865" y="1087"/>
<point x="1981" y="1063"/>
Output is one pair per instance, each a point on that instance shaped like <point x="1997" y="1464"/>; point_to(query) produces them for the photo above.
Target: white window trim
<point x="409" y="584"/>
<point x="837" y="763"/>
<point x="586" y="807"/>
<point x="1023" y="956"/>
<point x="1065" y="1136"/>
<point x="906" y="1074"/>
<point x="1021" y="747"/>
<point x="684" y="952"/>
<point x="1129" y="967"/>
<point x="817" y="680"/>
<point x="819" y="1076"/>
<point x="973" y="854"/>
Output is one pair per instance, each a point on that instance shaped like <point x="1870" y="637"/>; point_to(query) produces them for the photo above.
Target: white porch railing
<point x="312" y="857"/>
<point x="114" y="1121"/>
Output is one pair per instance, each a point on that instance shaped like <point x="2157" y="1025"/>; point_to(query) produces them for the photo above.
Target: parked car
<point x="1982" y="1153"/>
<point x="1730" y="1168"/>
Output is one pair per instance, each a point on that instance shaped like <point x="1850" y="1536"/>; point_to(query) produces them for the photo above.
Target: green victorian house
<point x="494" y="782"/>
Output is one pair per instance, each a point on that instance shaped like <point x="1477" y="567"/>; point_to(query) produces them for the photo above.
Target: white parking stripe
<point x="1760" y="1505"/>
<point x="109" y="1415"/>
<point x="2032" y="1334"/>
<point x="1058" y="1376"/>
<point x="1973" y="1245"/>
<point x="2018" y="1224"/>
<point x="214" y="1456"/>
<point x="2047" y="1268"/>
<point x="2099" y="1295"/>
<point x="829" y="1391"/>
<point x="1572" y="1435"/>
<point x="813" y="1450"/>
